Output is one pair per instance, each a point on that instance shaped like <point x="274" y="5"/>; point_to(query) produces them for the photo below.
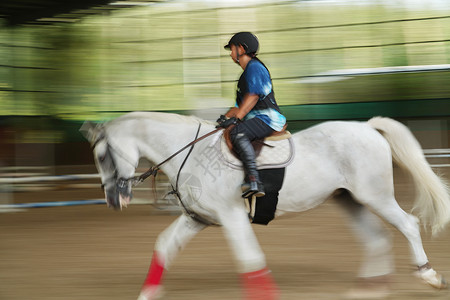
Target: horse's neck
<point x="158" y="139"/>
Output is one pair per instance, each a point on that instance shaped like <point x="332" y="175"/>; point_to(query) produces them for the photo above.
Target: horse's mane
<point x="162" y="117"/>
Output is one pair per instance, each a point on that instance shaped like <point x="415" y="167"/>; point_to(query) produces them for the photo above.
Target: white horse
<point x="349" y="161"/>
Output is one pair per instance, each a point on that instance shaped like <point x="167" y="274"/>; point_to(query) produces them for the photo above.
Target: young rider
<point x="256" y="114"/>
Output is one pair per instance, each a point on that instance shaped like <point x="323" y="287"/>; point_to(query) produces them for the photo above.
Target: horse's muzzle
<point x="119" y="195"/>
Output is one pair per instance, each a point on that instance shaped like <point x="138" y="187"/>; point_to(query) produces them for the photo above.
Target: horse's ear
<point x="91" y="131"/>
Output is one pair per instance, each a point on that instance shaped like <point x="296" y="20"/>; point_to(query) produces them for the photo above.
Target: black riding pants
<point x="253" y="129"/>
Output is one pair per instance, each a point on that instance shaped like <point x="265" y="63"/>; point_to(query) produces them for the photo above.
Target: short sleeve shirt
<point x="256" y="80"/>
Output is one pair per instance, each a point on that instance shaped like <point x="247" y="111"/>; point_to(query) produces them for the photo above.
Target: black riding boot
<point x="244" y="149"/>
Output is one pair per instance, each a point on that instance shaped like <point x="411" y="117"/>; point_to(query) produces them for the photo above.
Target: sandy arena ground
<point x="91" y="252"/>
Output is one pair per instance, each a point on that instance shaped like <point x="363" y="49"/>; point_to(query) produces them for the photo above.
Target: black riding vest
<point x="264" y="101"/>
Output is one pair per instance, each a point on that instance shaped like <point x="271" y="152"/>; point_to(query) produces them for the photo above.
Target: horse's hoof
<point x="151" y="293"/>
<point x="431" y="277"/>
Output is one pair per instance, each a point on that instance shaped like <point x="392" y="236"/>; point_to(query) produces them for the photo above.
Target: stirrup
<point x="252" y="188"/>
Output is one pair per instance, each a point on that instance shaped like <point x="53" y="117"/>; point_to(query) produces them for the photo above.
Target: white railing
<point x="28" y="179"/>
<point x="441" y="154"/>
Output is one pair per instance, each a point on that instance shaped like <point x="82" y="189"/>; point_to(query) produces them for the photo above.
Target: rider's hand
<point x="221" y="119"/>
<point x="224" y="122"/>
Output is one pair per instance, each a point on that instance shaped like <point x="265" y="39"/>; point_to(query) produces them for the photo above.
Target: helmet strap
<point x="237" y="54"/>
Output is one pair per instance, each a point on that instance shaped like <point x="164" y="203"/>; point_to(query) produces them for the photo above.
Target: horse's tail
<point x="432" y="201"/>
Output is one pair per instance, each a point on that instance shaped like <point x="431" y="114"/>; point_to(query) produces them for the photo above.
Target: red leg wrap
<point x="259" y="285"/>
<point x="155" y="271"/>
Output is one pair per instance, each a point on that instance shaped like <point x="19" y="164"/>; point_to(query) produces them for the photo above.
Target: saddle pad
<point x="279" y="155"/>
<point x="262" y="210"/>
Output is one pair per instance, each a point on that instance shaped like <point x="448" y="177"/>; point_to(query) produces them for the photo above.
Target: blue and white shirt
<point x="256" y="80"/>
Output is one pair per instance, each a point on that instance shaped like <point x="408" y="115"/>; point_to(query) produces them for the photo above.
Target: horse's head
<point x="114" y="165"/>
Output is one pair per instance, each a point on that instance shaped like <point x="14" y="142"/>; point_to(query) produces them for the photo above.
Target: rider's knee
<point x="235" y="135"/>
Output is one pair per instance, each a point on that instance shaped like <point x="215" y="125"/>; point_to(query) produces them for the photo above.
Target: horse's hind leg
<point x="169" y="243"/>
<point x="378" y="263"/>
<point x="388" y="208"/>
<point x="257" y="281"/>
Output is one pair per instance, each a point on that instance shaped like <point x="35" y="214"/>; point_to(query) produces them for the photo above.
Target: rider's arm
<point x="232" y="112"/>
<point x="246" y="106"/>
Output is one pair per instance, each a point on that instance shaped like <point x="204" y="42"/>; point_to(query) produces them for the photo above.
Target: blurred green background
<point x="328" y="60"/>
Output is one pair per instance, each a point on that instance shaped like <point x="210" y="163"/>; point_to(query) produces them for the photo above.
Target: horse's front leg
<point x="169" y="243"/>
<point x="257" y="281"/>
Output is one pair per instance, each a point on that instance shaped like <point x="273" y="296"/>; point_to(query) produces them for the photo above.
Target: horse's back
<point x="330" y="156"/>
<point x="340" y="137"/>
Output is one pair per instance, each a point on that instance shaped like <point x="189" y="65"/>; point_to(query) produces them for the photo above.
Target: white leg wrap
<point x="431" y="277"/>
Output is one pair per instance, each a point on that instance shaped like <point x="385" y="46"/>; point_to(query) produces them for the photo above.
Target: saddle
<point x="275" y="151"/>
<point x="257" y="144"/>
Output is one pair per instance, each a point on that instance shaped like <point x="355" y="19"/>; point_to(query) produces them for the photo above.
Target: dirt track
<point x="90" y="252"/>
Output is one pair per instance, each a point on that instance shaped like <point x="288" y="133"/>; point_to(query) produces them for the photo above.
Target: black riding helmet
<point x="247" y="40"/>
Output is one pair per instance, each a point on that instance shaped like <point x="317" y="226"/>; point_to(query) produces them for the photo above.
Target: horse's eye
<point x="102" y="158"/>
